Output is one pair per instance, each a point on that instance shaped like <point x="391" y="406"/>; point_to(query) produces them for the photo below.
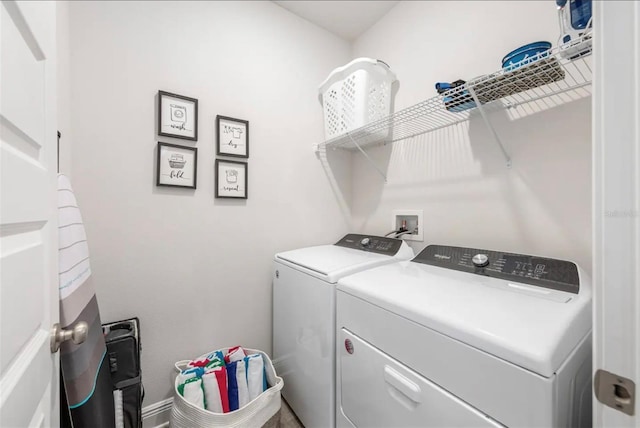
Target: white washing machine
<point x="462" y="337"/>
<point x="304" y="325"/>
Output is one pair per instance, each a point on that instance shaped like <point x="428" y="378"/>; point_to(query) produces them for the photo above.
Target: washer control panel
<point x="539" y="271"/>
<point x="374" y="244"/>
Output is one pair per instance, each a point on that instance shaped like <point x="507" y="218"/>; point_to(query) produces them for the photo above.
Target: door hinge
<point x="615" y="391"/>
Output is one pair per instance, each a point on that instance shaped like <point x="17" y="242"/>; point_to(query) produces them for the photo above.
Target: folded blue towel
<point x="237" y="382"/>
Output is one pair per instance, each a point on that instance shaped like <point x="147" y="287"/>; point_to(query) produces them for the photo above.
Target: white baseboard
<point x="156" y="415"/>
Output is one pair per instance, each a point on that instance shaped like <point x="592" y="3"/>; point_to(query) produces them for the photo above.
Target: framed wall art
<point x="232" y="137"/>
<point x="177" y="166"/>
<point x="231" y="179"/>
<point x="177" y="116"/>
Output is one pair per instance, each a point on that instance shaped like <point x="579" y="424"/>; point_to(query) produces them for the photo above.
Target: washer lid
<point x="532" y="327"/>
<point x="331" y="262"/>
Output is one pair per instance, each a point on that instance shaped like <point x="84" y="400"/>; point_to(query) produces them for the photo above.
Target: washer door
<point x="378" y="391"/>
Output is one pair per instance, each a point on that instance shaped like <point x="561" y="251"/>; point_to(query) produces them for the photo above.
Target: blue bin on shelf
<point x="455" y="101"/>
<point x="525" y="54"/>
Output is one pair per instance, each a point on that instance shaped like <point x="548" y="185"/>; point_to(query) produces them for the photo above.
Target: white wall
<point x="195" y="269"/>
<point x="542" y="205"/>
<point x="63" y="75"/>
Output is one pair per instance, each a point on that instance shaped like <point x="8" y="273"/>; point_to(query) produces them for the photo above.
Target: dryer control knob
<point x="480" y="260"/>
<point x="365" y="242"/>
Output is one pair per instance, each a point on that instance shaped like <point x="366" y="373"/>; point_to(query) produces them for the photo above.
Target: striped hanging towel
<point x="86" y="376"/>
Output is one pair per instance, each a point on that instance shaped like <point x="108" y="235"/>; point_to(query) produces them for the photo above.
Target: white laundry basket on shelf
<point x="355" y="95"/>
<point x="263" y="411"/>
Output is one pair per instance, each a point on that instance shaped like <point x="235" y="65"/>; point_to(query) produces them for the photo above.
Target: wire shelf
<point x="549" y="78"/>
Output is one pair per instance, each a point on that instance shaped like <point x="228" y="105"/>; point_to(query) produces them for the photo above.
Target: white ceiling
<point x="346" y="19"/>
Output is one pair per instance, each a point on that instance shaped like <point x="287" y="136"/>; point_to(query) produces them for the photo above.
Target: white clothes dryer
<point x="467" y="338"/>
<point x="304" y="325"/>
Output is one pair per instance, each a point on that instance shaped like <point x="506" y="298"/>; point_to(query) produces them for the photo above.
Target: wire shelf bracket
<point x="368" y="158"/>
<point x="487" y="122"/>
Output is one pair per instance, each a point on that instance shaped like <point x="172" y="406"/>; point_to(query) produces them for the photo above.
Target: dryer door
<point x="378" y="391"/>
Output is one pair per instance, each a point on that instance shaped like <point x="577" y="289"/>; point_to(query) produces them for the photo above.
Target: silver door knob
<point x="78" y="334"/>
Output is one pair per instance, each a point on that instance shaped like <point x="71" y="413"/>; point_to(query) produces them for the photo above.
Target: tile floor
<point x="288" y="419"/>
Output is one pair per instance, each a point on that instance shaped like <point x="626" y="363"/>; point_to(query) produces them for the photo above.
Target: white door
<point x="616" y="215"/>
<point x="29" y="388"/>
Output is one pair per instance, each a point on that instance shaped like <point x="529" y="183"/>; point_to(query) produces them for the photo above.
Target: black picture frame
<point x="162" y="127"/>
<point x="227" y="149"/>
<point x="218" y="184"/>
<point x="175" y="164"/>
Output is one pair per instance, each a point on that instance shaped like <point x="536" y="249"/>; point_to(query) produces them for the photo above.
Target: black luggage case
<point x="123" y="356"/>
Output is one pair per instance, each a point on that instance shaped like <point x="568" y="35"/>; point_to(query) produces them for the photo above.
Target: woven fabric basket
<point x="263" y="411"/>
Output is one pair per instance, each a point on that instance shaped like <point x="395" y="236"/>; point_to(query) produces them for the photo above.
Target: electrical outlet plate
<point x="414" y="222"/>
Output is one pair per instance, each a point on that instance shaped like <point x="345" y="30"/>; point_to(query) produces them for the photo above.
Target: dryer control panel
<point x="539" y="271"/>
<point x="374" y="244"/>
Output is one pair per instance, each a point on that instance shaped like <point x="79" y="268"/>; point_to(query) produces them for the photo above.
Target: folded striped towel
<point x="237" y="381"/>
<point x="235" y="354"/>
<point x="198" y="363"/>
<point x="256" y="378"/>
<point x="190" y="373"/>
<point x="216" y="395"/>
<point x="213" y="364"/>
<point x="216" y="355"/>
<point x="192" y="391"/>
